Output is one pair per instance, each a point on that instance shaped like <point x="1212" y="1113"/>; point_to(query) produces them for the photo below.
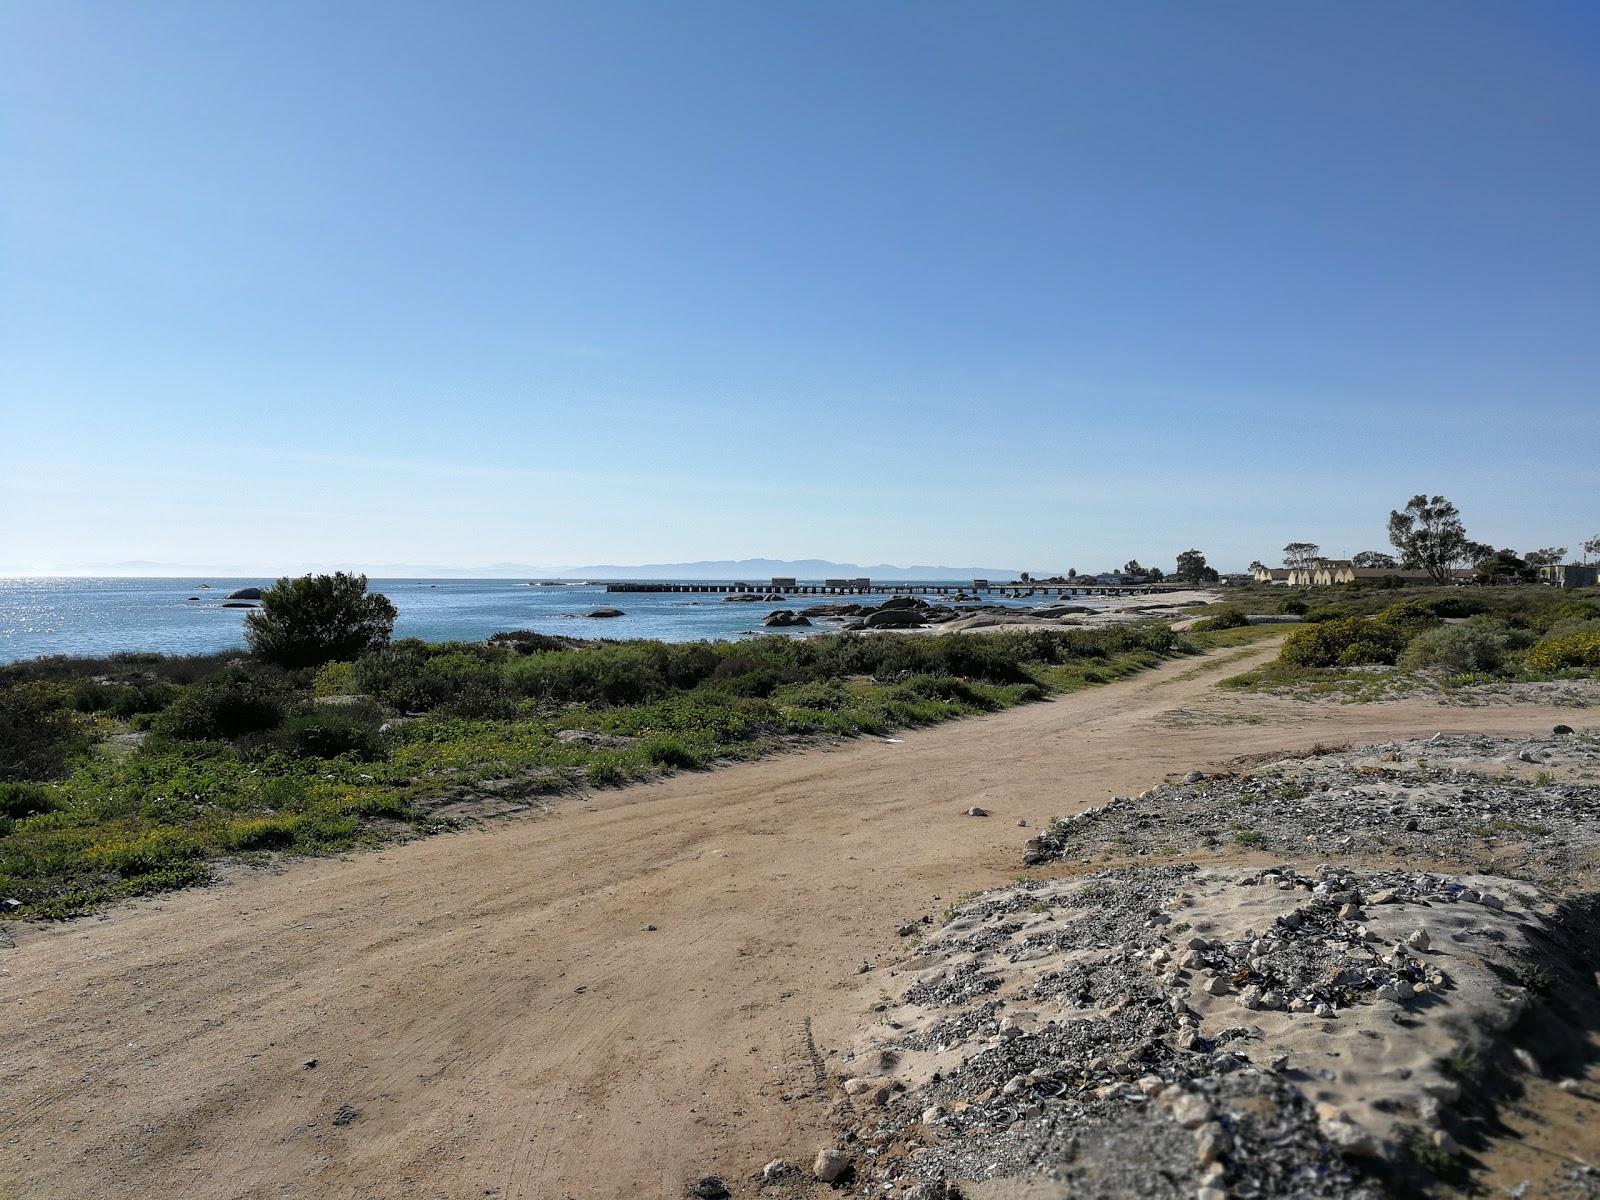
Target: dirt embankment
<point x="490" y="1015"/>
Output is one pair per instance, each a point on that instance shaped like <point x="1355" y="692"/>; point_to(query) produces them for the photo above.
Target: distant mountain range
<point x="753" y="569"/>
<point x="802" y="568"/>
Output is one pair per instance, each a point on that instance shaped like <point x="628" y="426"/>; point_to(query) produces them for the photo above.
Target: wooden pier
<point x="1010" y="590"/>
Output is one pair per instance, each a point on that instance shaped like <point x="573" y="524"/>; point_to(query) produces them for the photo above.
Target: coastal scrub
<point x="137" y="774"/>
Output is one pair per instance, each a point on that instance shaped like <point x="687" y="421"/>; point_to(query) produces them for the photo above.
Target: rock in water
<point x="605" y="612"/>
<point x="782" y="617"/>
<point x="250" y="593"/>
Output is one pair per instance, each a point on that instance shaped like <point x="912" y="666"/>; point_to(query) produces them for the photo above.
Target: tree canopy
<point x="1192" y="568"/>
<point x="1429" y="536"/>
<point x="1302" y="554"/>
<point x="1373" y="558"/>
<point x="316" y="619"/>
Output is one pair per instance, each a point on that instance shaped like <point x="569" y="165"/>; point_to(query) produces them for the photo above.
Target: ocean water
<point x="183" y="616"/>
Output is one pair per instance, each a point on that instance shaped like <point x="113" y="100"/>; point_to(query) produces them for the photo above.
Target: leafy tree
<point x="1132" y="568"/>
<point x="1429" y="536"/>
<point x="1192" y="568"/>
<point x="1374" y="558"/>
<point x="1302" y="554"/>
<point x="1502" y="564"/>
<point x="1072" y="572"/>
<point x="1257" y="565"/>
<point x="314" y="619"/>
<point x="1548" y="557"/>
<point x="1592" y="546"/>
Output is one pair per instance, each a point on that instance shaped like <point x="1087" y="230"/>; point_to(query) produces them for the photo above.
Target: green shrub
<point x="1457" y="649"/>
<point x="946" y="688"/>
<point x="39" y="733"/>
<point x="1407" y="618"/>
<point x="666" y="751"/>
<point x="1348" y="641"/>
<point x="220" y="709"/>
<point x="334" y="679"/>
<point x="1293" y="605"/>
<point x="316" y="619"/>
<point x="141" y="854"/>
<point x="525" y="641"/>
<point x="18" y="800"/>
<point x="330" y="733"/>
<point x="828" y="695"/>
<point x="1230" y="618"/>
<point x="260" y="833"/>
<point x="1561" y="651"/>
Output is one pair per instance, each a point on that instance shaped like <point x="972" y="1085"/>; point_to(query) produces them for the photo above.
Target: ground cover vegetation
<point x="1362" y="642"/>
<point x="137" y="773"/>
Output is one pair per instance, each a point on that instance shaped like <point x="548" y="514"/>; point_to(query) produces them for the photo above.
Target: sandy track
<point x="488" y="1015"/>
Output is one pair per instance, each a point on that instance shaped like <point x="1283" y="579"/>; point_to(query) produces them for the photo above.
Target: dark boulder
<point x="783" y="617"/>
<point x="835" y="610"/>
<point x="894" y="618"/>
<point x="245" y="594"/>
<point x="606" y="612"/>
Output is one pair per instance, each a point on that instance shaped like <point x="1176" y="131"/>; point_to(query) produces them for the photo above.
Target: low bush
<point x="39" y="733"/>
<point x="1294" y="606"/>
<point x="143" y="853"/>
<point x="334" y="679"/>
<point x="1348" y="641"/>
<point x="18" y="800"/>
<point x="220" y="709"/>
<point x="1230" y="618"/>
<point x="1407" y="618"/>
<point x="1562" y="651"/>
<point x="1457" y="649"/>
<point x="260" y="833"/>
<point x="326" y="732"/>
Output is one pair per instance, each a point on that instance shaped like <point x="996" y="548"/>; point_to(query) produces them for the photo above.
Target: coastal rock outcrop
<point x="783" y="618"/>
<point x="245" y="593"/>
<point x="606" y="612"/>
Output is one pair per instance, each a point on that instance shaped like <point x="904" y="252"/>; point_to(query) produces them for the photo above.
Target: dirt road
<point x="489" y="1016"/>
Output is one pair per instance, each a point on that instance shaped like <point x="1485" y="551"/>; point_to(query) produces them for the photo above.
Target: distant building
<point x="1271" y="575"/>
<point x="861" y="582"/>
<point x="783" y="583"/>
<point x="1569" y="575"/>
<point x="980" y="585"/>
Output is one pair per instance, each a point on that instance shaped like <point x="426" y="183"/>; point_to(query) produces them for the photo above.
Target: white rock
<point x="933" y="1115"/>
<point x="830" y="1164"/>
<point x="1215" y="986"/>
<point x="774" y="1171"/>
<point x="1190" y="1110"/>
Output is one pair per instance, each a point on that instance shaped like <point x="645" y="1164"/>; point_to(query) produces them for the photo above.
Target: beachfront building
<point x="1272" y="575"/>
<point x="783" y="583"/>
<point x="1569" y="575"/>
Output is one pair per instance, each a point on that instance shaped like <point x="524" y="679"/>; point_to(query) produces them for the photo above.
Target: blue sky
<point x="1045" y="285"/>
